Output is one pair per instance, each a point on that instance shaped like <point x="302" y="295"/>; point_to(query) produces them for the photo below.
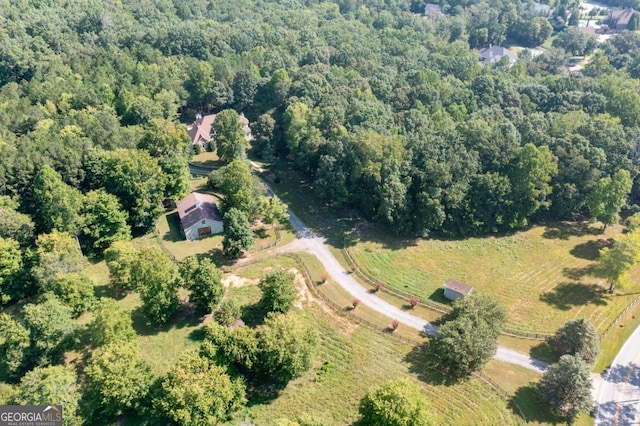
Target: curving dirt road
<point x="315" y="244"/>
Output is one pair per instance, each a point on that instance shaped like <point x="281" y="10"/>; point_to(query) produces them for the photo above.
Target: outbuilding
<point x="199" y="216"/>
<point x="454" y="290"/>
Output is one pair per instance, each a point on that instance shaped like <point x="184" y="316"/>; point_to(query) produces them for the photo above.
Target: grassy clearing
<point x="614" y="340"/>
<point x="544" y="275"/>
<point x="350" y="360"/>
<point x="170" y="236"/>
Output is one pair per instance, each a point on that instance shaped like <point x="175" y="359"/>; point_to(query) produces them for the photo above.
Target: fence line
<point x="501" y="391"/>
<point x="311" y="285"/>
<point x="430" y="304"/>
<point x="619" y="317"/>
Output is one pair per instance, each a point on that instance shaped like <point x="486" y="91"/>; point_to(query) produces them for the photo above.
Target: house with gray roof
<point x="493" y="54"/>
<point x="199" y="216"/>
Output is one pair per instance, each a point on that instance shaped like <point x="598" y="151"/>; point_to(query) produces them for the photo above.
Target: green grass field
<point x="544" y="275"/>
<point x="353" y="358"/>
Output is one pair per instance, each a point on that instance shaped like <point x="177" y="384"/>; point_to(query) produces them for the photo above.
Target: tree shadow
<point x="565" y="230"/>
<point x="591" y="249"/>
<point x="422" y="364"/>
<point x="578" y="273"/>
<point x="566" y="295"/>
<point x="253" y="315"/>
<point x="184" y="317"/>
<point x="534" y="408"/>
<point x="629" y="373"/>
<point x="544" y="352"/>
<point x="263" y="393"/>
<point x="617" y="413"/>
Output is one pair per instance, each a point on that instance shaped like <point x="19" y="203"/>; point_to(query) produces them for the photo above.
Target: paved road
<point x="618" y="394"/>
<point x="315" y="244"/>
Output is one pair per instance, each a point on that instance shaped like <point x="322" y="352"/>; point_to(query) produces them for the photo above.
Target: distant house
<point x="201" y="131"/>
<point x="199" y="216"/>
<point x="619" y="19"/>
<point x="542" y="9"/>
<point x="454" y="290"/>
<point x="493" y="54"/>
<point x="433" y="11"/>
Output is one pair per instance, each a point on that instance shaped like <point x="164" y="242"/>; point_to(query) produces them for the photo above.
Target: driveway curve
<point x="315" y="244"/>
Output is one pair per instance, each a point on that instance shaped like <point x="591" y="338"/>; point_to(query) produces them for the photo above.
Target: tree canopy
<point x="400" y="402"/>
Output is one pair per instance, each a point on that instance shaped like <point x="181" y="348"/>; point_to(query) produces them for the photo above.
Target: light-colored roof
<point x="458" y="287"/>
<point x="432" y="8"/>
<point x="493" y="54"/>
<point x="623" y="16"/>
<point x="200" y="131"/>
<point x="196" y="207"/>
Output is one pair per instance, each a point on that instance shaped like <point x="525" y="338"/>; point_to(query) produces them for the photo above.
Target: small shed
<point x="199" y="216"/>
<point x="454" y="290"/>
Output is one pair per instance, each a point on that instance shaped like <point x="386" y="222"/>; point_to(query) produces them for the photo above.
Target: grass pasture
<point x="351" y="359"/>
<point x="544" y="275"/>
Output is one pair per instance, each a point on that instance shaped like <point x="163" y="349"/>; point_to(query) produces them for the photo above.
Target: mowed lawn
<point x="544" y="276"/>
<point x="350" y="360"/>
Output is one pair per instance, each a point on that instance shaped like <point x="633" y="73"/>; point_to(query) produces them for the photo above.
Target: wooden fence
<point x="619" y="317"/>
<point x="430" y="304"/>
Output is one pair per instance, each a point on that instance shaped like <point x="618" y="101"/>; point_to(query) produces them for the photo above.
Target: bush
<point x="395" y="324"/>
<point x="377" y="286"/>
<point x="228" y="312"/>
<point x="355" y="303"/>
<point x="396" y="403"/>
<point x="414" y="301"/>
<point x="278" y="291"/>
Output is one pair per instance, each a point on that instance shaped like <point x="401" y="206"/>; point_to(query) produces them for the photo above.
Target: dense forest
<point x="385" y="110"/>
<point x="382" y="109"/>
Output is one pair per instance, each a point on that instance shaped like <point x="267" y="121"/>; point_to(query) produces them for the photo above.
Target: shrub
<point x="395" y="324"/>
<point x="414" y="301"/>
<point x="228" y="312"/>
<point x="377" y="286"/>
<point x="355" y="303"/>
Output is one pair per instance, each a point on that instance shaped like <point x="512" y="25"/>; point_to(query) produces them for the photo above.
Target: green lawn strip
<point x="350" y="360"/>
<point x="613" y="341"/>
<point x="544" y="276"/>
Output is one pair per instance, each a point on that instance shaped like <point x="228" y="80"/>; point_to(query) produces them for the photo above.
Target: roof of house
<point x="201" y="128"/>
<point x="432" y="8"/>
<point x="458" y="287"/>
<point x="623" y="16"/>
<point x="542" y="9"/>
<point x="587" y="30"/>
<point x="196" y="207"/>
<point x="495" y="53"/>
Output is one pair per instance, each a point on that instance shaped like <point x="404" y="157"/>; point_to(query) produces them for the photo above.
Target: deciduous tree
<point x="399" y="402"/>
<point x="287" y="347"/>
<point x="110" y="324"/>
<point x="118" y="378"/>
<point x="57" y="204"/>
<point x="608" y="196"/>
<point x="238" y="235"/>
<point x="278" y="291"/>
<point x="14" y="349"/>
<point x="155" y="277"/>
<point x="103" y="219"/>
<point x="204" y="281"/>
<point x="55" y="385"/>
<point x="50" y="326"/>
<point x="11" y="267"/>
<point x="615" y="262"/>
<point x="229" y="136"/>
<point x="119" y="257"/>
<point x="197" y="392"/>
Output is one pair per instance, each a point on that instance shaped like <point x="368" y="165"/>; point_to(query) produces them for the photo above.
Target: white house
<point x="455" y="290"/>
<point x="199" y="216"/>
